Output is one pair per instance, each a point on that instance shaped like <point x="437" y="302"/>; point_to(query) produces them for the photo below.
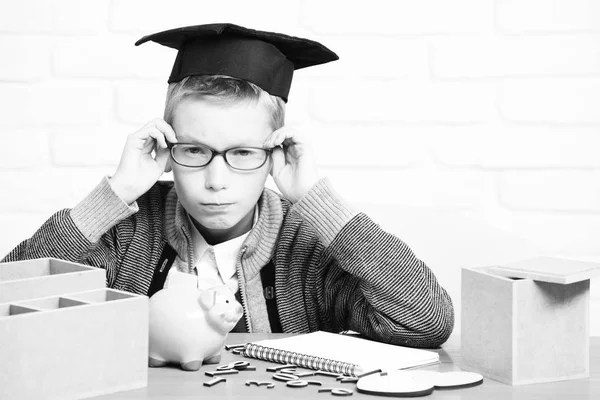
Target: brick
<point x="18" y="227"/>
<point x="508" y="146"/>
<point x="402" y="100"/>
<point x="297" y="108"/>
<point x="382" y="17"/>
<point x="24" y="58"/>
<point x="363" y="57"/>
<point x="48" y="190"/>
<point x="551" y="190"/>
<point x="500" y="56"/>
<point x="546" y="100"/>
<point x="89" y="147"/>
<point x="56" y="17"/>
<point x="422" y="187"/>
<point x="524" y="16"/>
<point x="58" y="102"/>
<point x="140" y="102"/>
<point x="348" y="146"/>
<point x="83" y="180"/>
<point x="257" y="14"/>
<point x="23" y="148"/>
<point x="111" y="56"/>
<point x="566" y="234"/>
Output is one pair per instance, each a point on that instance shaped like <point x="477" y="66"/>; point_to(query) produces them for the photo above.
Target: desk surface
<point x="173" y="383"/>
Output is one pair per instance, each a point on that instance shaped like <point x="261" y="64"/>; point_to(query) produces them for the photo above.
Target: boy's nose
<point x="216" y="173"/>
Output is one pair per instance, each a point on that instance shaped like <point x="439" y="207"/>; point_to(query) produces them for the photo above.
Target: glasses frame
<point x="215" y="153"/>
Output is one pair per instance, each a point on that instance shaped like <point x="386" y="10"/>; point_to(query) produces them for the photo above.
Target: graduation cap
<point x="266" y="59"/>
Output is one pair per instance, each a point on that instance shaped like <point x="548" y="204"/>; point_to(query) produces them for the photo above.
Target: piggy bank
<point x="189" y="326"/>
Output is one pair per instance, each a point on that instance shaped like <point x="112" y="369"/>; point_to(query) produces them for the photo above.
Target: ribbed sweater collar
<point x="258" y="246"/>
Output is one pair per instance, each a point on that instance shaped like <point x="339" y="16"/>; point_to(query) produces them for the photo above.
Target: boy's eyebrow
<point x="232" y="146"/>
<point x="183" y="138"/>
<point x="259" y="145"/>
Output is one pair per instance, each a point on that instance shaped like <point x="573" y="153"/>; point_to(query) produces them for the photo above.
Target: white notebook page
<point x="367" y="354"/>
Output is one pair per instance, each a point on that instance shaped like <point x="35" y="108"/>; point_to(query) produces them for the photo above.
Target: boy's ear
<point x="168" y="166"/>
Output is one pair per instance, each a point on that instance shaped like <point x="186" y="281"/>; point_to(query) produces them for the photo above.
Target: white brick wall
<point x="54" y="17"/>
<point x="498" y="56"/>
<point x="551" y="191"/>
<point x="139" y="102"/>
<point x="402" y="100"/>
<point x="149" y="16"/>
<point x="404" y="17"/>
<point x="471" y="128"/>
<point x="33" y="55"/>
<point x="543" y="16"/>
<point x="56" y="102"/>
<point x="574" y="101"/>
<point x="502" y="146"/>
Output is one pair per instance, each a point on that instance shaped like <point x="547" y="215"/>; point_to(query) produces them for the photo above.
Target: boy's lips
<point x="216" y="206"/>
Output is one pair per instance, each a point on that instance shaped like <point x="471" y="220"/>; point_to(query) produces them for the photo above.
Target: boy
<point x="299" y="262"/>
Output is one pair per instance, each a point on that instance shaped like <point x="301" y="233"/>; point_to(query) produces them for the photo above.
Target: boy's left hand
<point x="294" y="169"/>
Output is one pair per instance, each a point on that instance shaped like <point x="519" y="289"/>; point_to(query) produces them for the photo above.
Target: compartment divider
<point x="67" y="301"/>
<point x="16" y="309"/>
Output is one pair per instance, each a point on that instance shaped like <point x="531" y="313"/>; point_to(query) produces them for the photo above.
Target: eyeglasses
<point x="197" y="155"/>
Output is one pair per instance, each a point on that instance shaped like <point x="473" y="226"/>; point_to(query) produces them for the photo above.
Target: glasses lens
<point x="193" y="155"/>
<point x="246" y="157"/>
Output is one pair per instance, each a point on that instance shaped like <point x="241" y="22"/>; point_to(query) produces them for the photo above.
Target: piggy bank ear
<point x="207" y="299"/>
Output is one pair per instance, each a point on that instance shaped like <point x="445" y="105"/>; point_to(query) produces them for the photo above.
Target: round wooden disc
<point x="396" y="383"/>
<point x="423" y="374"/>
<point x="457" y="380"/>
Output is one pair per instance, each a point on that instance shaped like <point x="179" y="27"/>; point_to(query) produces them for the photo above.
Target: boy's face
<point x="217" y="196"/>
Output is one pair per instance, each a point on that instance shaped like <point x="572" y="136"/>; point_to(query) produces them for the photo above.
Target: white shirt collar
<point x="225" y="253"/>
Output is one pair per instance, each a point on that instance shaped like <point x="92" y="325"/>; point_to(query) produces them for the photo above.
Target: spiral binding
<point x="301" y="360"/>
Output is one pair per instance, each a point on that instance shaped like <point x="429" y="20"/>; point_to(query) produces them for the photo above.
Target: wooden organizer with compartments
<point x="64" y="335"/>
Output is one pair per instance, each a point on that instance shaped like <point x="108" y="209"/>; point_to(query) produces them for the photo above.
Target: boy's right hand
<point x="139" y="169"/>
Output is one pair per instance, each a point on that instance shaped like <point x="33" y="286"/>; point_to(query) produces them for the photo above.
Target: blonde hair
<point x="222" y="88"/>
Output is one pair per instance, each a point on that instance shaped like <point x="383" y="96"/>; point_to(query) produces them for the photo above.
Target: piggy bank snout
<point x="233" y="314"/>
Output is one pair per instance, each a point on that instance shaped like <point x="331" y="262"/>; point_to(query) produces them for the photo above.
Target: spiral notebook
<point x="342" y="354"/>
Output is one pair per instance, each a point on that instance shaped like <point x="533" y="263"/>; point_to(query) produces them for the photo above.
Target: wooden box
<point x="527" y="322"/>
<point x="43" y="277"/>
<point x="70" y="345"/>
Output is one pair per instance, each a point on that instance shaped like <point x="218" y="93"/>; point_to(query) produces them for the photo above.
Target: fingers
<point x="278" y="161"/>
<point x="165" y="129"/>
<point x="154" y="134"/>
<point x="162" y="132"/>
<point x="159" y="137"/>
<point x="284" y="136"/>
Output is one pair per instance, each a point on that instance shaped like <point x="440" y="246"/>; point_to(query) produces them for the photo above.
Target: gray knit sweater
<point x="335" y="269"/>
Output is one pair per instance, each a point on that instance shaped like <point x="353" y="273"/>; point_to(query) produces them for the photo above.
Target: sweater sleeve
<point x="373" y="283"/>
<point x="81" y="234"/>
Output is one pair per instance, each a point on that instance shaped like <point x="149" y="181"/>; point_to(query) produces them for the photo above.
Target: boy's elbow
<point x="426" y="325"/>
<point x="437" y="322"/>
<point x="440" y="329"/>
<point x="431" y="331"/>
